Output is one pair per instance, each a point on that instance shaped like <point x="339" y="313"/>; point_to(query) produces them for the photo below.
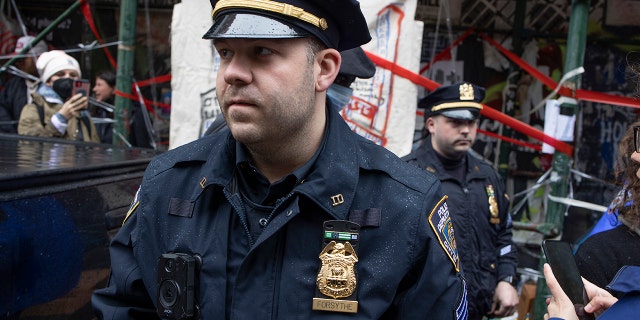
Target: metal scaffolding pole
<point x="124" y="75"/>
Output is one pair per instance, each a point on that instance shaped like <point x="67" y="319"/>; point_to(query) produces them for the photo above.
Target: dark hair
<point x="108" y="76"/>
<point x="626" y="174"/>
<point x="313" y="46"/>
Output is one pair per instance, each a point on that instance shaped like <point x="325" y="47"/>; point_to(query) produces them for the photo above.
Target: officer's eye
<point x="224" y="53"/>
<point x="263" y="51"/>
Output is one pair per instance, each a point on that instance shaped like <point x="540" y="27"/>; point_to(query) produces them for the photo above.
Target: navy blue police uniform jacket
<point x="486" y="248"/>
<point x="188" y="202"/>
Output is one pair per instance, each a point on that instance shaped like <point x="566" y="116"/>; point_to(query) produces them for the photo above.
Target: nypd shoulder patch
<point x="440" y="221"/>
<point x="133" y="206"/>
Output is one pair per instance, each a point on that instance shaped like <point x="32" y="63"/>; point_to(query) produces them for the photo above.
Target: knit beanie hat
<point x="38" y="49"/>
<point x="49" y="63"/>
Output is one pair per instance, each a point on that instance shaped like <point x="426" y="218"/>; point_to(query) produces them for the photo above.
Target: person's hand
<point x="599" y="299"/>
<point x="505" y="299"/>
<point x="558" y="305"/>
<point x="73" y="106"/>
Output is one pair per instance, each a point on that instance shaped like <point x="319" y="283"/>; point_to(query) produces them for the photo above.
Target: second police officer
<point x="477" y="200"/>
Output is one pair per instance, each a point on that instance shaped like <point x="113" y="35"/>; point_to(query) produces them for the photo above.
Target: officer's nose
<point x="237" y="70"/>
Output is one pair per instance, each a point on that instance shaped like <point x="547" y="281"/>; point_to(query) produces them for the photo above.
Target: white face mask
<point x="339" y="96"/>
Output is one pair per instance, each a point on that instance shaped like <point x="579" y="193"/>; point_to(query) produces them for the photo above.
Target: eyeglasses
<point x="636" y="138"/>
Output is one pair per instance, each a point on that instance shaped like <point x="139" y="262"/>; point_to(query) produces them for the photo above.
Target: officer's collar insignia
<point x="133" y="206"/>
<point x="203" y="182"/>
<point x="493" y="205"/>
<point x="337" y="276"/>
<point x="337" y="199"/>
<point x="440" y="221"/>
<point x="466" y="92"/>
<point x="431" y="169"/>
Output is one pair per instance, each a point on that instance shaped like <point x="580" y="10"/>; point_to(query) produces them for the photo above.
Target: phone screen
<point x="80" y="86"/>
<point x="564" y="267"/>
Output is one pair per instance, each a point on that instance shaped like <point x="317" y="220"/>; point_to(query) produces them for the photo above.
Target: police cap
<point x="356" y="63"/>
<point x="339" y="24"/>
<point x="457" y="101"/>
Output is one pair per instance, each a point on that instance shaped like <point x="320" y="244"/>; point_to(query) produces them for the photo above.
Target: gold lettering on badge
<point x="337" y="276"/>
<point x="337" y="199"/>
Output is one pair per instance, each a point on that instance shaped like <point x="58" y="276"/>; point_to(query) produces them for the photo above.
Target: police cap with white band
<point x="458" y="101"/>
<point x="339" y="24"/>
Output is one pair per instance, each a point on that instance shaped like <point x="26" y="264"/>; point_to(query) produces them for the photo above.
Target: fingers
<point x="552" y="283"/>
<point x="591" y="289"/>
<point x="75" y="104"/>
<point x="600" y="303"/>
<point x="558" y="305"/>
<point x="505" y="300"/>
<point x="503" y="311"/>
<point x="493" y="307"/>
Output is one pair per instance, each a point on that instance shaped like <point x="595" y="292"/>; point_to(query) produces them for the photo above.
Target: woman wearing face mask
<point x="54" y="112"/>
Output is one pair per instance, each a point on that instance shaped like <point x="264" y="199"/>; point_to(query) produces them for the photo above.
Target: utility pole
<point x="561" y="166"/>
<point x="124" y="75"/>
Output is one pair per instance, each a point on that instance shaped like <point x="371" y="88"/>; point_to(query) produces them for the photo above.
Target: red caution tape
<point x="536" y="147"/>
<point x="527" y="129"/>
<point x="86" y="12"/>
<point x="486" y="111"/>
<point x="447" y="51"/>
<point x="607" y="98"/>
<point x="400" y="71"/>
<point x="148" y="82"/>
<point x="148" y="103"/>
<point x="579" y="94"/>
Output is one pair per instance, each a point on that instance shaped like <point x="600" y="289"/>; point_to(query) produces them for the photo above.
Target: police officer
<point x="288" y="214"/>
<point x="477" y="199"/>
<point x="355" y="64"/>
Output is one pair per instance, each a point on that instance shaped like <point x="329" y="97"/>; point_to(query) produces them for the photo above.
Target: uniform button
<point x="493" y="266"/>
<point x="263" y="222"/>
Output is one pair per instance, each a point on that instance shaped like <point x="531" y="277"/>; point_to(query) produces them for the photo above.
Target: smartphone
<point x="563" y="264"/>
<point x="80" y="86"/>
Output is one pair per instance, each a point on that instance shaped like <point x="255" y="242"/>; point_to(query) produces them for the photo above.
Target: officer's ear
<point x="328" y="61"/>
<point x="430" y="124"/>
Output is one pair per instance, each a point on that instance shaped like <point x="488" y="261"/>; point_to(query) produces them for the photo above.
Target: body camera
<point x="176" y="286"/>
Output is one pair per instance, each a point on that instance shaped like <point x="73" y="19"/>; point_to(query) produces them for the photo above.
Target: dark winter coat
<point x="189" y="203"/>
<point x="486" y="248"/>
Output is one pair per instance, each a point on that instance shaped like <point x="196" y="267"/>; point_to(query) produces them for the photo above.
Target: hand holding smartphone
<point x="564" y="267"/>
<point x="80" y="86"/>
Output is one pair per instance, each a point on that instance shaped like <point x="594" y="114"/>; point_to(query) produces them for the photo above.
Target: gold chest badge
<point x="336" y="284"/>
<point x="493" y="205"/>
<point x="337" y="276"/>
